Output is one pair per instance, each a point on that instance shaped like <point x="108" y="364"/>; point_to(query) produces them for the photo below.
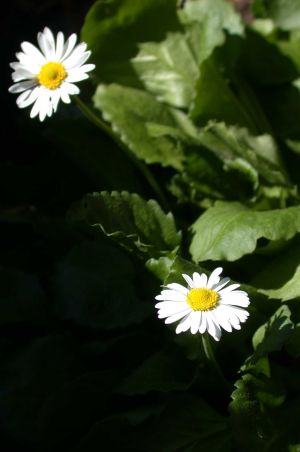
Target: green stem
<point x="98" y="122"/>
<point x="209" y="353"/>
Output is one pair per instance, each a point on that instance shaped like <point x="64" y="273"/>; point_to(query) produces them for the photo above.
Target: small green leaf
<point x="168" y="69"/>
<point x="231" y="230"/>
<point x="133" y="114"/>
<point x="137" y="224"/>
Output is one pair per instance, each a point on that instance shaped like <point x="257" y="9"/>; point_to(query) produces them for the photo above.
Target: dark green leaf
<point x="135" y="223"/>
<point x="165" y="371"/>
<point x="94" y="287"/>
<point x="22" y="298"/>
<point x="113" y="28"/>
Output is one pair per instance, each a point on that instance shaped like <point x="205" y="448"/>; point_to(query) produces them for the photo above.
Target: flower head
<point x="207" y="304"/>
<point x="46" y="75"/>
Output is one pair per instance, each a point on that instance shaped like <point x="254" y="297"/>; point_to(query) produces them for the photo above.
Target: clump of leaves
<point x="198" y="169"/>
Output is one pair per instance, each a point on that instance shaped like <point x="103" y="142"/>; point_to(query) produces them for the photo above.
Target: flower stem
<point x="209" y="353"/>
<point x="98" y="121"/>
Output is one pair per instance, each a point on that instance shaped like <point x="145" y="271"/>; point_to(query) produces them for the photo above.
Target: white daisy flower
<point x="46" y="75"/>
<point x="205" y="305"/>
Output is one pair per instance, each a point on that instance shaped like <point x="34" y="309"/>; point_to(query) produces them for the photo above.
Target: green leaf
<point x="168" y="70"/>
<point x="22" y="298"/>
<point x="188" y="423"/>
<point x="293" y="343"/>
<point x="137" y="224"/>
<point x="274" y="334"/>
<point x="284" y="13"/>
<point x="231" y="230"/>
<point x="215" y="98"/>
<point x="134" y="114"/>
<point x="100" y="158"/>
<point x="289" y="291"/>
<point x="279" y="279"/>
<point x="234" y="144"/>
<point x="206" y="24"/>
<point x="263" y="62"/>
<point x="94" y="287"/>
<point x="165" y="371"/>
<point x="251" y="425"/>
<point x="113" y="28"/>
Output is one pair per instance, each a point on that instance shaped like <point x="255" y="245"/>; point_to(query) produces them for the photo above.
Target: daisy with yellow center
<point x="207" y="304"/>
<point x="46" y="75"/>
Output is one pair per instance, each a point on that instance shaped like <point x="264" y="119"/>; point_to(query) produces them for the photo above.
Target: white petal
<point x="197" y="279"/>
<point x="60" y="40"/>
<point x="235" y="300"/>
<point x="76" y="61"/>
<point x="28" y="62"/>
<point x="70" y="88"/>
<point x="240" y="313"/>
<point x="22" y="97"/>
<point x="65" y="97"/>
<point x="221" y="284"/>
<point x="203" y="323"/>
<point x="29" y="99"/>
<point x="41" y="104"/>
<point x="195" y="322"/>
<point x="175" y="317"/>
<point x="47" y="44"/>
<point x="185" y="324"/>
<point x="170" y="295"/>
<point x="175" y="305"/>
<point x="178" y="288"/>
<point x="213" y="329"/>
<point x="189" y="280"/>
<point x="203" y="281"/>
<point x="76" y="75"/>
<point x="22" y="74"/>
<point x="87" y="67"/>
<point x="69" y="46"/>
<point x="222" y="320"/>
<point x="75" y="56"/>
<point x="55" y="98"/>
<point x="214" y="277"/>
<point x="33" y="52"/>
<point x="229" y="289"/>
<point x="22" y="86"/>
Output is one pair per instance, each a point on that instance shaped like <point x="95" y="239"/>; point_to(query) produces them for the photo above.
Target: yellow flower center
<point x="202" y="299"/>
<point x="52" y="75"/>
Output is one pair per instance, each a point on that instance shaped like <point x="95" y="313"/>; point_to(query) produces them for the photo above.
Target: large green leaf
<point x="137" y="224"/>
<point x="168" y="69"/>
<point x="113" y="28"/>
<point x="94" y="287"/>
<point x="142" y="123"/>
<point x="231" y="230"/>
